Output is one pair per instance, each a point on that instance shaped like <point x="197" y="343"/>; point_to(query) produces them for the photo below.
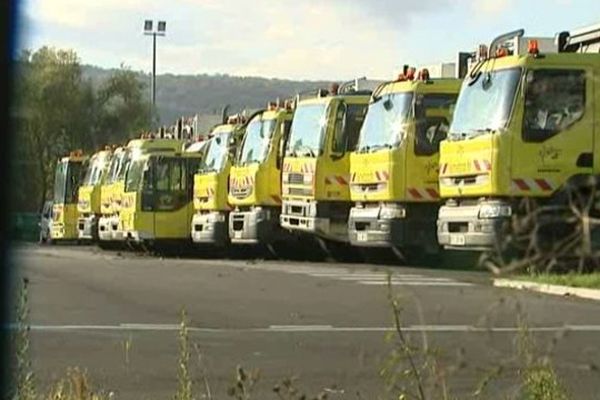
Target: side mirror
<point x="281" y="145"/>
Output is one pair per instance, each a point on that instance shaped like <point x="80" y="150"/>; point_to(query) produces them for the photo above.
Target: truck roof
<point x="559" y="59"/>
<point x="156" y="144"/>
<point x="272" y="114"/>
<point x="443" y="85"/>
<point x="350" y="98"/>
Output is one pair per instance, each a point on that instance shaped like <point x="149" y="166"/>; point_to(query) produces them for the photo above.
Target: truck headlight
<point x="307" y="179"/>
<point x="488" y="211"/>
<point x="392" y="213"/>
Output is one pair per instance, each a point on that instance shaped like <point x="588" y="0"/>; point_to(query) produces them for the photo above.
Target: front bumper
<point x="302" y="216"/>
<point x="258" y="225"/>
<point x="460" y="226"/>
<point x="367" y="228"/>
<point x="104" y="229"/>
<point x="210" y="228"/>
<point x="87" y="227"/>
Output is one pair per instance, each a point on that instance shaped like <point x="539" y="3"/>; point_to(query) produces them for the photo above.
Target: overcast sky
<point x="299" y="39"/>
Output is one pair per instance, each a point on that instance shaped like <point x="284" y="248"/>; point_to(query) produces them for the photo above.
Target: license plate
<point x="361" y="236"/>
<point x="237" y="234"/>
<point x="457" y="240"/>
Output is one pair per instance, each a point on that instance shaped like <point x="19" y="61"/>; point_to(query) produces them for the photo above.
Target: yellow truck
<point x="523" y="151"/>
<point x="255" y="178"/>
<point x="156" y="206"/>
<point x="68" y="176"/>
<point x="211" y="181"/>
<point x="394" y="170"/>
<point x="316" y="166"/>
<point x="110" y="197"/>
<point x="90" y="193"/>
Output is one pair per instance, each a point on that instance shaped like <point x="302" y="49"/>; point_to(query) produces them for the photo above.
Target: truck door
<point x="432" y="122"/>
<point x="348" y="122"/>
<point x="557" y="131"/>
<point x="171" y="198"/>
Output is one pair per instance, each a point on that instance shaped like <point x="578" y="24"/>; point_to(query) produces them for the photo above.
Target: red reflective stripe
<point x="386" y="175"/>
<point x="477" y="166"/>
<point x="353" y="177"/>
<point x="543" y="184"/>
<point x="415" y="193"/>
<point x="327" y="181"/>
<point x="377" y="175"/>
<point x="521" y="184"/>
<point x="276" y="198"/>
<point x="487" y="165"/>
<point x="432" y="192"/>
<point x="444" y="167"/>
<point x="341" y="180"/>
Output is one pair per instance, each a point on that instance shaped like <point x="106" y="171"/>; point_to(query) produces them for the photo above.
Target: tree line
<point x="58" y="110"/>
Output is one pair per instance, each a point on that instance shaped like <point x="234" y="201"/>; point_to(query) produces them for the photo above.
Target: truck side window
<point x="432" y="122"/>
<point x="162" y="175"/>
<point x="347" y="139"/>
<point x="554" y="101"/>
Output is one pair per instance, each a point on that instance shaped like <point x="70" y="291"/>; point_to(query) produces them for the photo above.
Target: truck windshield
<point x="257" y="140"/>
<point x="124" y="161"/>
<point x="485" y="105"/>
<point x="66" y="182"/>
<point x="60" y="182"/>
<point x="385" y="123"/>
<point x="116" y="166"/>
<point x="95" y="170"/>
<point x="217" y="153"/>
<point x="134" y="175"/>
<point x="307" y="130"/>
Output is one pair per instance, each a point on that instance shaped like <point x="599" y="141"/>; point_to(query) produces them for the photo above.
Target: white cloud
<point x="493" y="6"/>
<point x="306" y="39"/>
<point x="77" y="13"/>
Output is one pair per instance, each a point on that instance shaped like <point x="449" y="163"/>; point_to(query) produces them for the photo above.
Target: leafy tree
<point x="59" y="111"/>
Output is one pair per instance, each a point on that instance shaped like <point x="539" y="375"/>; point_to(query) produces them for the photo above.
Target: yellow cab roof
<point x="156" y="144"/>
<point x="559" y="59"/>
<point x="273" y="114"/>
<point x="444" y="85"/>
<point x="348" y="98"/>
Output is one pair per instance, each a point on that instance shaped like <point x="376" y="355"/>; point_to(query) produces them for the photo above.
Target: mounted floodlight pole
<point x="161" y="30"/>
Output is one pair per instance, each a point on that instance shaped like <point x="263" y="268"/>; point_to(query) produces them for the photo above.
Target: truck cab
<point x="110" y="196"/>
<point x="316" y="167"/>
<point x="90" y="192"/>
<point x="394" y="170"/>
<point x="157" y="201"/>
<point x="255" y="178"/>
<point x="524" y="135"/>
<point x="211" y="206"/>
<point x="67" y="179"/>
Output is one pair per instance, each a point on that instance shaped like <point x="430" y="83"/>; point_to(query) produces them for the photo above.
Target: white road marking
<point x="310" y="328"/>
<point x="416" y="283"/>
<point x="365" y="276"/>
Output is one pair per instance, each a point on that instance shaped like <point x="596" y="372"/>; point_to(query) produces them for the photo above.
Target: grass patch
<point x="591" y="281"/>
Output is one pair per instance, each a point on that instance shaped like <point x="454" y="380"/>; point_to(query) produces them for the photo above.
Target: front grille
<point x="241" y="192"/>
<point x="300" y="191"/>
<point x="367" y="187"/>
<point x="295" y="178"/>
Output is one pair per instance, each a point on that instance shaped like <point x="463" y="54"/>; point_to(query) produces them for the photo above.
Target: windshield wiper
<point x="376" y="147"/>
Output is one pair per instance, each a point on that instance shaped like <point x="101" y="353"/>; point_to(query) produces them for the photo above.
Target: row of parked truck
<point x="416" y="165"/>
